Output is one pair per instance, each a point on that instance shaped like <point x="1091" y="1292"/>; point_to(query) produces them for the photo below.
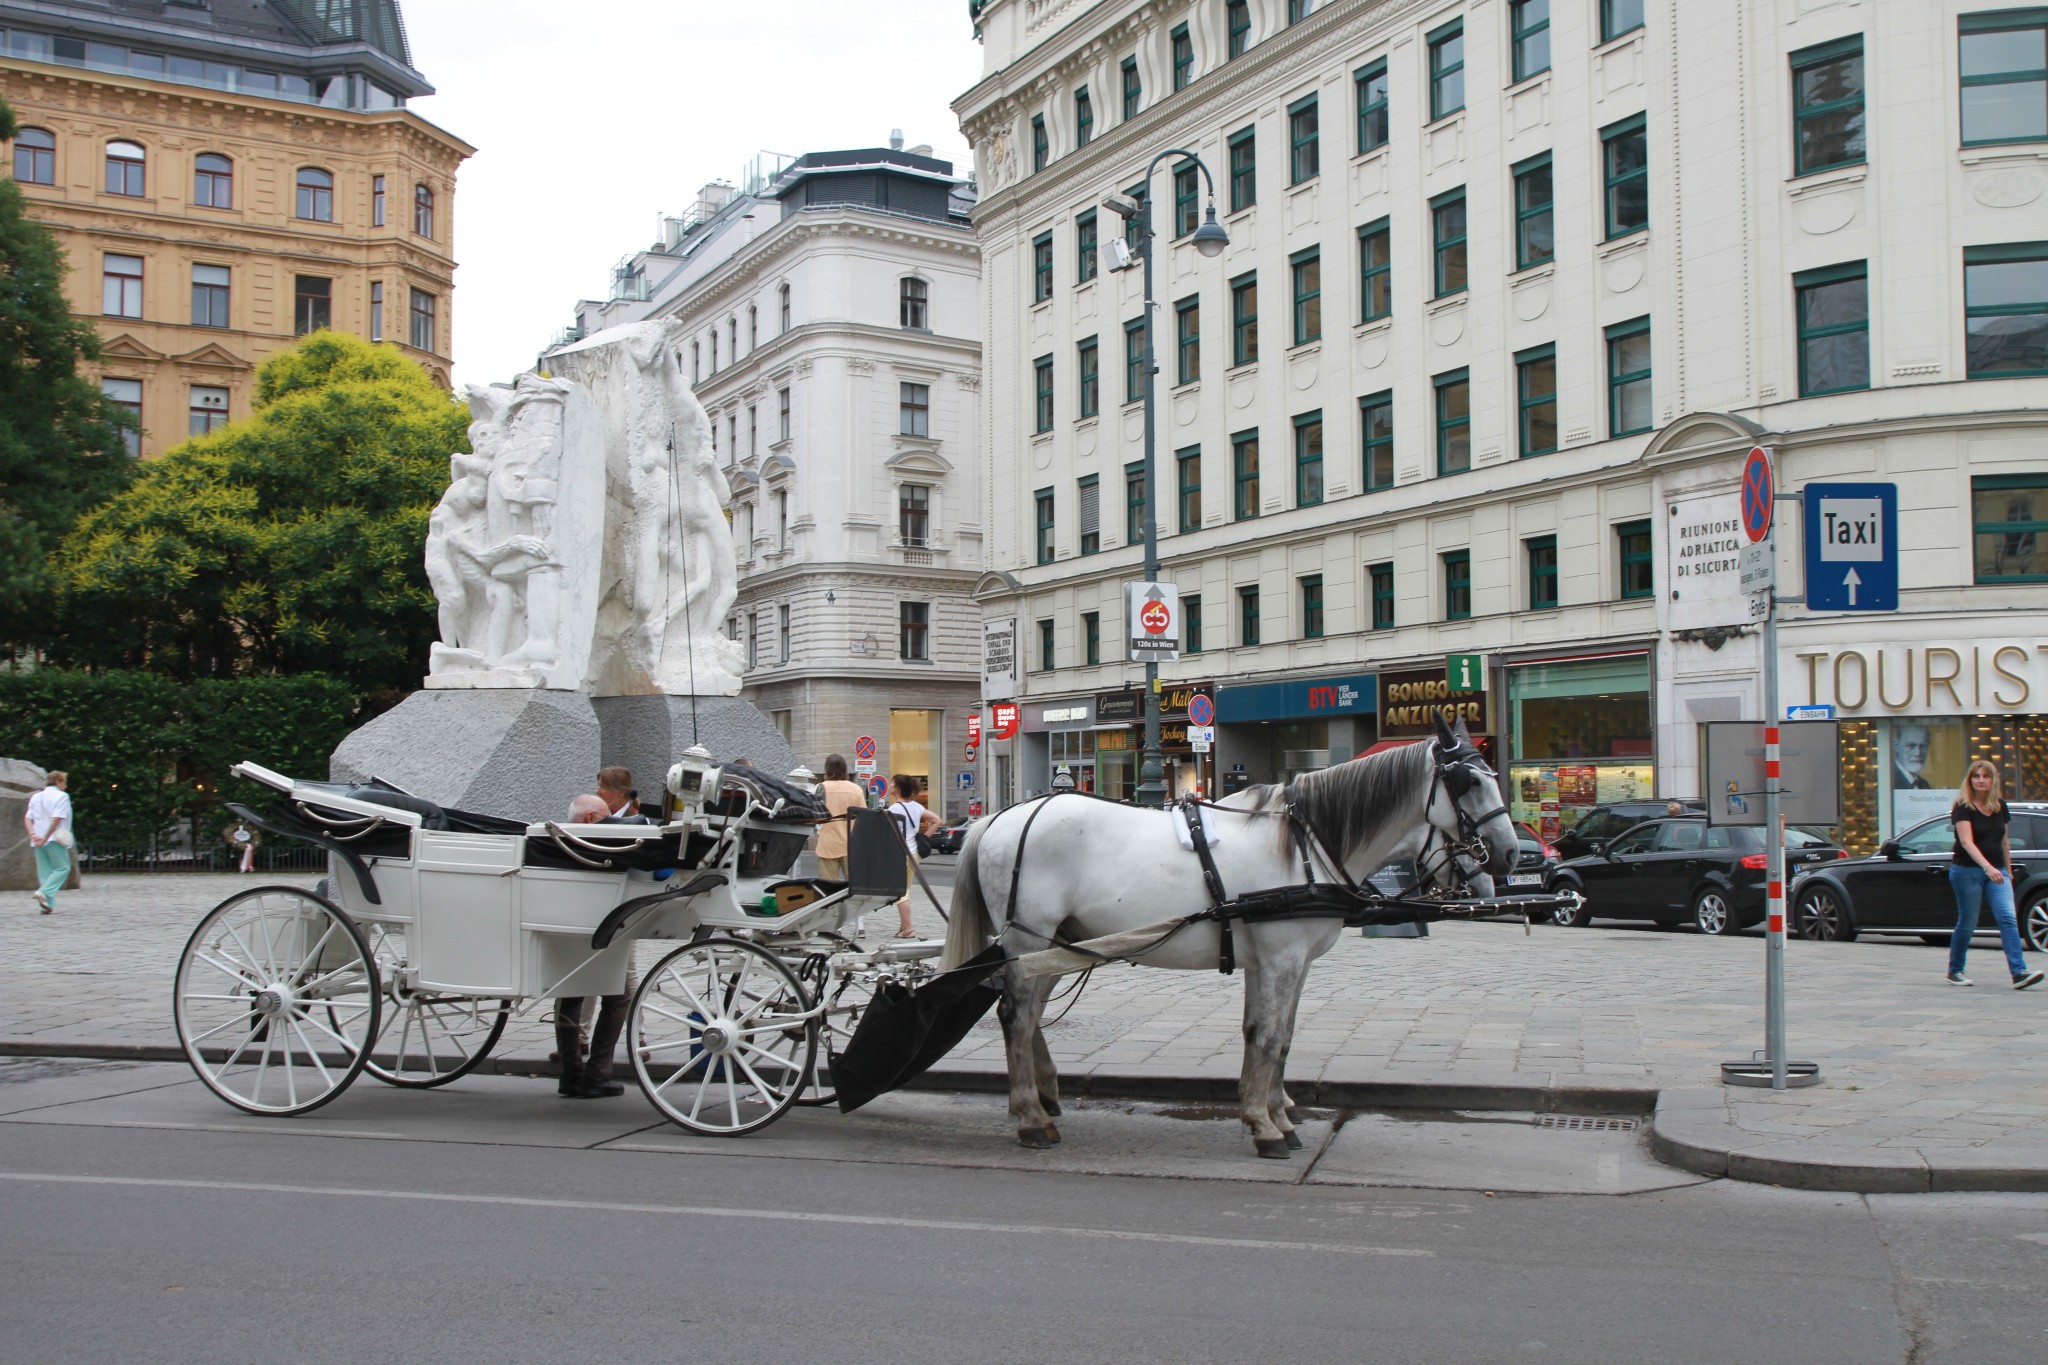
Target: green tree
<point x="60" y="440"/>
<point x="290" y="542"/>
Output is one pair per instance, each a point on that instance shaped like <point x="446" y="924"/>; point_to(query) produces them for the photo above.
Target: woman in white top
<point x="913" y="819"/>
<point x="49" y="833"/>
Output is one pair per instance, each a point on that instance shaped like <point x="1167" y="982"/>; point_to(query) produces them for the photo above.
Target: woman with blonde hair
<point x="1980" y="869"/>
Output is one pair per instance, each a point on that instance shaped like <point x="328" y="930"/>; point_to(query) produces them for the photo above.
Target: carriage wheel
<point x="845" y="1000"/>
<point x="720" y="1037"/>
<point x="276" y="993"/>
<point x="427" y="1039"/>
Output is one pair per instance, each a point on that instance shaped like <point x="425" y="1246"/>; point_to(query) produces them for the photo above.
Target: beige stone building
<point x="227" y="177"/>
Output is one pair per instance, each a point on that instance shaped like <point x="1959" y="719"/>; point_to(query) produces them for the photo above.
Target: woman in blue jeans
<point x="1980" y="869"/>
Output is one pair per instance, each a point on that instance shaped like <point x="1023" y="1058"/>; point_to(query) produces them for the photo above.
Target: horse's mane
<point x="1348" y="803"/>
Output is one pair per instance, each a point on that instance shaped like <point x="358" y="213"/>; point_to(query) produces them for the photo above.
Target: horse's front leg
<point x="1048" y="1075"/>
<point x="1022" y="1008"/>
<point x="1261" y="1075"/>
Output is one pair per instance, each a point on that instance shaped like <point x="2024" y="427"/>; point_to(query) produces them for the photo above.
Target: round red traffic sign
<point x="1155" y="618"/>
<point x="1759" y="491"/>
<point x="864" y="748"/>
<point x="1201" y="710"/>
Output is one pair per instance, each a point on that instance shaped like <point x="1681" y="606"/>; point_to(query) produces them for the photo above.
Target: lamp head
<point x="1210" y="238"/>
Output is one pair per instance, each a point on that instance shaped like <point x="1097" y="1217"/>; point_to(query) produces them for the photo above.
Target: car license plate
<point x="1526" y="879"/>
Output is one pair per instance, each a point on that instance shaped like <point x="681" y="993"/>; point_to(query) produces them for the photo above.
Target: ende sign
<point x="1705" y="554"/>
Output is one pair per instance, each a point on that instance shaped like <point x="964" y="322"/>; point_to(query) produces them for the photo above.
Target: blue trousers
<point x="53" y="869"/>
<point x="1972" y="888"/>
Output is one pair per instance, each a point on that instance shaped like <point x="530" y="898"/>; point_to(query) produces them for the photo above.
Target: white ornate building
<point x="833" y="333"/>
<point x="1511" y="284"/>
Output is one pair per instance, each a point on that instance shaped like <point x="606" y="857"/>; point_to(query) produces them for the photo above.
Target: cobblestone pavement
<point x="1912" y="1068"/>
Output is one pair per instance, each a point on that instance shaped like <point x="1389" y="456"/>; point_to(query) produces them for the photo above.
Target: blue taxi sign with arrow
<point x="1852" y="546"/>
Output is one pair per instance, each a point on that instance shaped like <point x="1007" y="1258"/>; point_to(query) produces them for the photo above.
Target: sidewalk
<point x="1924" y="1086"/>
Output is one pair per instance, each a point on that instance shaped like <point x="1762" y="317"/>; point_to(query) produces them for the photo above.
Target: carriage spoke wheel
<point x="845" y="1000"/>
<point x="276" y="994"/>
<point x="721" y="1038"/>
<point x="425" y="1039"/>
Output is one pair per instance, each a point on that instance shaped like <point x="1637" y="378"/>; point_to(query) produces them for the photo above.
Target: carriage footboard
<point x="608" y="928"/>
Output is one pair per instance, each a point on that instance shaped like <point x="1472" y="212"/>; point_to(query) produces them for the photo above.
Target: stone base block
<point x="19" y="780"/>
<point x="518" y="753"/>
<point x="646" y="733"/>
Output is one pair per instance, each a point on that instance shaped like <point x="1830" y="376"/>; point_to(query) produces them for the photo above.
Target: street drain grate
<point x="1585" y="1125"/>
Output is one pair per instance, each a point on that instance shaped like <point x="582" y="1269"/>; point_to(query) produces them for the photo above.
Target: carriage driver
<point x="590" y="1077"/>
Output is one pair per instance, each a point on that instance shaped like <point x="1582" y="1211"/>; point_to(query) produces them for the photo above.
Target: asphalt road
<point x="142" y="1220"/>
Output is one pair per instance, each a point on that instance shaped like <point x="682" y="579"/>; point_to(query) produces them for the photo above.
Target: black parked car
<point x="948" y="838"/>
<point x="1605" y="822"/>
<point x="1903" y="887"/>
<point x="1682" y="869"/>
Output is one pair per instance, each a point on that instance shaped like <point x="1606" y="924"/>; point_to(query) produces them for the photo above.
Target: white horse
<point x="1095" y="868"/>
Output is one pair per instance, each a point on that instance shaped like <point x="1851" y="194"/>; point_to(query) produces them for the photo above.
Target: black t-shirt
<point x="1987" y="830"/>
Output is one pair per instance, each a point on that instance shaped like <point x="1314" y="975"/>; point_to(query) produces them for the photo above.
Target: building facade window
<point x="1625" y="155"/>
<point x="1183" y="57"/>
<point x="1084" y="247"/>
<point x="1308" y="459"/>
<point x="1375" y="271"/>
<point x="1084" y="117"/>
<point x="913" y="410"/>
<point x="1134" y="360"/>
<point x="782" y="414"/>
<point x="1447" y="70"/>
<point x="1628" y="377"/>
<point x="1134" y="503"/>
<point x="1447" y="229"/>
<point x="125" y="170"/>
<point x="1045" y="525"/>
<point x="2004" y="66"/>
<point x="1088" y="355"/>
<point x="1311" y="607"/>
<point x="423" y="213"/>
<point x="1369" y="85"/>
<point x="1188" y="463"/>
<point x="1139" y="194"/>
<point x="1088" y="492"/>
<point x="121" y="286"/>
<point x="1237" y="24"/>
<point x="1827" y="106"/>
<point x="1041" y="145"/>
<point x="754" y="326"/>
<point x="1041" y="267"/>
<point x="914" y="515"/>
<point x="1248" y="615"/>
<point x="1244" y="320"/>
<point x="423" y="331"/>
<point x="315" y="195"/>
<point x="1453" y="422"/>
<point x="1304" y="141"/>
<point x="782" y="305"/>
<point x="1041" y="370"/>
<point x="1187" y="338"/>
<point x="1297" y="10"/>
<point x="376" y="201"/>
<point x="1244" y="463"/>
<point x="782" y="642"/>
<point x="1535" y="235"/>
<point x="1638" y="578"/>
<point x="2009" y="522"/>
<point x="1618" y="17"/>
<point x="1244" y="169"/>
<point x="206" y="409"/>
<point x="2005" y="306"/>
<point x="1091" y="638"/>
<point x="1187" y="195"/>
<point x="1380" y="581"/>
<point x="1376" y="428"/>
<point x="1134" y="90"/>
<point x="1529" y="26"/>
<point x="1191" y="624"/>
<point x="1536" y="400"/>
<point x="1457" y="585"/>
<point x="914" y="631"/>
<point x="35" y="157"/>
<point x="1306" y="268"/>
<point x="911" y="297"/>
<point x="213" y="181"/>
<point x="210" y="285"/>
<point x="126" y="394"/>
<point x="1541" y="552"/>
<point x="1045" y="646"/>
<point x="781" y="500"/>
<point x="1834" y="328"/>
<point x="377" y="311"/>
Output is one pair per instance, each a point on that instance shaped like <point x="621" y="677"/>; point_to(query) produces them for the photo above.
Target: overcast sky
<point x="592" y="117"/>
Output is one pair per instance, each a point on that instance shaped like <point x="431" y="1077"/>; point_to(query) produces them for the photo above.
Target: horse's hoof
<point x="1052" y="1131"/>
<point x="1037" y="1139"/>
<point x="1293" y="1114"/>
<point x="1292" y="1139"/>
<point x="1273" y="1149"/>
<point x="1049" y="1105"/>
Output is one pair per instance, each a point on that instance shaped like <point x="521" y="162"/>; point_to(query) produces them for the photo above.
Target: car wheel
<point x="1572" y="917"/>
<point x="2034" y="924"/>
<point x="1712" y="914"/>
<point x="1822" y="917"/>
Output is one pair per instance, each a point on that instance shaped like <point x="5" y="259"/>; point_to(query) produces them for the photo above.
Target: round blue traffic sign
<point x="1759" y="491"/>
<point x="1201" y="711"/>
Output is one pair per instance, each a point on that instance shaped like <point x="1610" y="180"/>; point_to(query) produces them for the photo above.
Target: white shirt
<point x="910" y="816"/>
<point x="47" y="809"/>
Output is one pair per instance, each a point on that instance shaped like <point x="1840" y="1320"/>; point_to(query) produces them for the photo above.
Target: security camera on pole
<point x="1153" y="608"/>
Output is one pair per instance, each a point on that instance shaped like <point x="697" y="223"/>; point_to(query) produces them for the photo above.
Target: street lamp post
<point x="1209" y="239"/>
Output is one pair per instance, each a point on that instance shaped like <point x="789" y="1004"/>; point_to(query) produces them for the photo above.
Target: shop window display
<point x="1581" y="736"/>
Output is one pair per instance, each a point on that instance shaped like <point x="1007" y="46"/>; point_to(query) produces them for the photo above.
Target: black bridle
<point x="1459" y="770"/>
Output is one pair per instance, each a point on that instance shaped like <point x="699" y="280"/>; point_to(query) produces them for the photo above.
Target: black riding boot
<point x="604" y="1040"/>
<point x="569" y="1045"/>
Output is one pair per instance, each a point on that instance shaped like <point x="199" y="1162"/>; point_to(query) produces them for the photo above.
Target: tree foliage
<point x="290" y="542"/>
<point x="60" y="440"/>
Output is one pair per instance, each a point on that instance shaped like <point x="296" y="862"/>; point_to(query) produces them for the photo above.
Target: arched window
<point x="124" y="169"/>
<point x="783" y="293"/>
<point x="316" y="194"/>
<point x="213" y="181"/>
<point x="423" y="211"/>
<point x="913" y="297"/>
<point x="35" y="157"/>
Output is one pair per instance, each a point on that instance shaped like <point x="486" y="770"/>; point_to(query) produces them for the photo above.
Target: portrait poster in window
<point x="1922" y="765"/>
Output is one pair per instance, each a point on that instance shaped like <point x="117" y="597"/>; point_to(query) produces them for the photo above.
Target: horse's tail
<point x="968" y="930"/>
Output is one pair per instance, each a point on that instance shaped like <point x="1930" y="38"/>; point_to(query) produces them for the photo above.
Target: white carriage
<point x="436" y="926"/>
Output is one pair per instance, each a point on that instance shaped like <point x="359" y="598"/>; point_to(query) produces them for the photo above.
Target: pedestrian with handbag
<point x="49" y="833"/>
<point x="1980" y="870"/>
<point x="917" y="825"/>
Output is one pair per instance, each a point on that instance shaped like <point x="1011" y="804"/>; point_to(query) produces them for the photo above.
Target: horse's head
<point x="1465" y="805"/>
